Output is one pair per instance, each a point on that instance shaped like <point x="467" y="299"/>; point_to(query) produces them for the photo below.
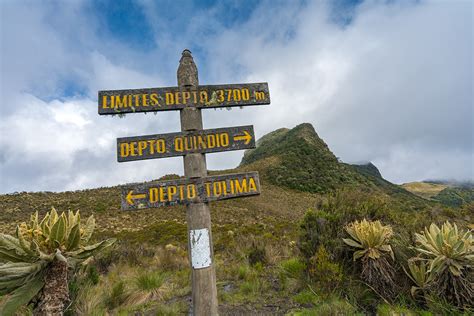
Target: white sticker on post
<point x="200" y="248"/>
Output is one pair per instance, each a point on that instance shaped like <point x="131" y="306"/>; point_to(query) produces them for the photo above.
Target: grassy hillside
<point x="455" y="196"/>
<point x="299" y="159"/>
<point x="447" y="193"/>
<point x="277" y="253"/>
<point x="424" y="189"/>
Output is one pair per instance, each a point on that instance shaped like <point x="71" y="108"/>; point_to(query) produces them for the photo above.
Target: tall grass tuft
<point x="90" y="301"/>
<point x="148" y="286"/>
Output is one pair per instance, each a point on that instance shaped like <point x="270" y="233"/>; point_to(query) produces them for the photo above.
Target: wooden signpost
<point x="197" y="189"/>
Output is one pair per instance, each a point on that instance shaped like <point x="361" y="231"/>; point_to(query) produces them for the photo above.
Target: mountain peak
<point x="368" y="168"/>
<point x="284" y="140"/>
<point x="305" y="127"/>
<point x="297" y="158"/>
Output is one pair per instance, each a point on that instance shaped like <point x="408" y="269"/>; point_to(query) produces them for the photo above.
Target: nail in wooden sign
<point x="186" y="191"/>
<point x="176" y="98"/>
<point x="183" y="143"/>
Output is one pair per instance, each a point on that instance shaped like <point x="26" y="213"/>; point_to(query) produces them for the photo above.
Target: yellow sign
<point x="178" y="144"/>
<point x="185" y="191"/>
<point x="175" y="98"/>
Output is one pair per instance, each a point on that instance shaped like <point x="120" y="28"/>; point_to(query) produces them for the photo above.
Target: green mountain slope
<point x="446" y="192"/>
<point x="299" y="159"/>
<point x="455" y="196"/>
<point x="368" y="169"/>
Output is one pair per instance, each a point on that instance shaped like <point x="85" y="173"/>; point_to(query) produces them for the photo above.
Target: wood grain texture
<point x="204" y="288"/>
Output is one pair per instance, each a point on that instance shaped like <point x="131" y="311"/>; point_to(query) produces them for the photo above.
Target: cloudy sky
<point x="382" y="81"/>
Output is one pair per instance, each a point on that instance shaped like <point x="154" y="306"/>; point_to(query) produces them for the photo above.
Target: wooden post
<point x="204" y="291"/>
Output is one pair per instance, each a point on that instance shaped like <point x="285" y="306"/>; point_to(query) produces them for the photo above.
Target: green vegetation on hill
<point x="447" y="193"/>
<point x="368" y="169"/>
<point x="302" y="161"/>
<point x="280" y="253"/>
<point x="299" y="159"/>
<point x="455" y="196"/>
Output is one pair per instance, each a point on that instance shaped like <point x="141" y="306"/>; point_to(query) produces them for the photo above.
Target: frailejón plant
<point x="450" y="253"/>
<point x="418" y="272"/>
<point x="34" y="263"/>
<point x="371" y="238"/>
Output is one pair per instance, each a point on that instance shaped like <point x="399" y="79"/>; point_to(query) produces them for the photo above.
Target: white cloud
<point x="66" y="145"/>
<point x="399" y="76"/>
<point x="394" y="87"/>
<point x="106" y="75"/>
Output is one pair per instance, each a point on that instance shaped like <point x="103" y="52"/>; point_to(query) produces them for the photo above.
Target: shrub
<point x="293" y="268"/>
<point x="371" y="239"/>
<point x="305" y="297"/>
<point x="292" y="274"/>
<point x="315" y="230"/>
<point x="257" y="255"/>
<point x="100" y="207"/>
<point x="323" y="225"/>
<point x="450" y="253"/>
<point x="326" y="274"/>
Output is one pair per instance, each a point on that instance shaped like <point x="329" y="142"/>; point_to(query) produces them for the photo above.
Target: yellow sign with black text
<point x="185" y="191"/>
<point x="176" y="98"/>
<point x="182" y="143"/>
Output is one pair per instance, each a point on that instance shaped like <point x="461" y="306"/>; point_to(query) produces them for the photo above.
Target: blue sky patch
<point x="125" y="20"/>
<point x="342" y="11"/>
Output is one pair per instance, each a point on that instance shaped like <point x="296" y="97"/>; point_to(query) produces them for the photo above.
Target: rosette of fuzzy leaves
<point x="371" y="239"/>
<point x="450" y="253"/>
<point x="27" y="254"/>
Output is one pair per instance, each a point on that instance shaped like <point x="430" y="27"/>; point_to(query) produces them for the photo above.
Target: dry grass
<point x="274" y="202"/>
<point x="90" y="301"/>
<point x="126" y="288"/>
<point x="423" y="189"/>
<point x="149" y="287"/>
<point x="171" y="257"/>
